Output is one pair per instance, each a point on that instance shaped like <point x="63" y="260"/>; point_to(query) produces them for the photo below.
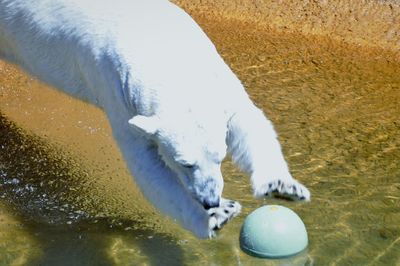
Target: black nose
<point x="208" y="204"/>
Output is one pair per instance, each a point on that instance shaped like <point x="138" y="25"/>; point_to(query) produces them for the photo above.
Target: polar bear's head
<point x="193" y="150"/>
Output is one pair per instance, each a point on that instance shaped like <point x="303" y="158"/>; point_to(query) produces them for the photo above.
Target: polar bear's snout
<point x="209" y="192"/>
<point x="211" y="204"/>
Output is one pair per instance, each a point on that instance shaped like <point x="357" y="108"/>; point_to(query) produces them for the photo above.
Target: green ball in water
<point x="273" y="231"/>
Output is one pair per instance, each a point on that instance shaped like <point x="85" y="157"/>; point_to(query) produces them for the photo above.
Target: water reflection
<point x="36" y="187"/>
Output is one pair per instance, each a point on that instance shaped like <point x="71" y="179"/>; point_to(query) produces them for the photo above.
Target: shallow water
<point x="66" y="197"/>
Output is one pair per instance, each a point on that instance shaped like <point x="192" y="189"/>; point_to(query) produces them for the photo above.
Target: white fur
<point x="149" y="63"/>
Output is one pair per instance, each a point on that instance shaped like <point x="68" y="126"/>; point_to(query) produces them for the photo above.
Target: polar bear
<point x="176" y="109"/>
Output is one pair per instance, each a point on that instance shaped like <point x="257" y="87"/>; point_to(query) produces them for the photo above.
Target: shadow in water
<point x="44" y="191"/>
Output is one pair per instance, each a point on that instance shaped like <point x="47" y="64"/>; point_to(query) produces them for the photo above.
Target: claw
<point x="220" y="215"/>
<point x="287" y="188"/>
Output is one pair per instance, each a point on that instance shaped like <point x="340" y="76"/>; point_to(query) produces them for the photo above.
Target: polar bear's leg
<point x="254" y="146"/>
<point x="163" y="189"/>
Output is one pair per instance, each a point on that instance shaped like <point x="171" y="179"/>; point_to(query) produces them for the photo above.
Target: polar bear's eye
<point x="188" y="165"/>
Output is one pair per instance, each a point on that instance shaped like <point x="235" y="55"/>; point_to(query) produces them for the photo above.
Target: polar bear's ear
<point x="146" y="124"/>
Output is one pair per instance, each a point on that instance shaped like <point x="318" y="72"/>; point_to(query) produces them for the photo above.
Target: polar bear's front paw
<point x="287" y="188"/>
<point x="219" y="216"/>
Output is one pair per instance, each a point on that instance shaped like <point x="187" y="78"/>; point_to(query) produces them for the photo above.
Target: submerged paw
<point x="219" y="216"/>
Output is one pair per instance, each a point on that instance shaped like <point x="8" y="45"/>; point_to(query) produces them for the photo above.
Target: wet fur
<point x="148" y="58"/>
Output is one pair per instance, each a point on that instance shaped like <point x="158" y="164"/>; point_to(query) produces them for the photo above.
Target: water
<point x="66" y="197"/>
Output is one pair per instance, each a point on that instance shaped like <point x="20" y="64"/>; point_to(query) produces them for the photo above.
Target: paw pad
<point x="287" y="188"/>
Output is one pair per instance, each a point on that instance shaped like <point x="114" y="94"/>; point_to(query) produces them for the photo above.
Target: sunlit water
<point x="66" y="197"/>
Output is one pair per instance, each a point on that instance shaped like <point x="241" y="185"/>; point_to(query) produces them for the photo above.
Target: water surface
<point x="66" y="197"/>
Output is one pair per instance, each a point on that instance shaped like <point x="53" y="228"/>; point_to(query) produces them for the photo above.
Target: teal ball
<point x="273" y="231"/>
